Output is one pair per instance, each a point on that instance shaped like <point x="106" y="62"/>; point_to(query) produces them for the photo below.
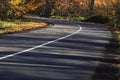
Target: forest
<point x="103" y="11"/>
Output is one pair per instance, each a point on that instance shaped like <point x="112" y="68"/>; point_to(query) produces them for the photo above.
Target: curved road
<point x="65" y="51"/>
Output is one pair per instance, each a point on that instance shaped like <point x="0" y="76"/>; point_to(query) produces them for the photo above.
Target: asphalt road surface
<point x="65" y="51"/>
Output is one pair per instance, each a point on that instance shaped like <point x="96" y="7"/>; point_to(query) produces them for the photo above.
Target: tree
<point x="48" y="7"/>
<point x="117" y="13"/>
<point x="91" y="7"/>
<point x="28" y="5"/>
<point x="13" y="9"/>
<point x="6" y="9"/>
<point x="110" y="9"/>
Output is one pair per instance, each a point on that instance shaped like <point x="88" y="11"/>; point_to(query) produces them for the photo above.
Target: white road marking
<point x="17" y="53"/>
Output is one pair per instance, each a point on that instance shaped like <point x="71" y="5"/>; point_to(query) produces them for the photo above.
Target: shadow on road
<point x="108" y="70"/>
<point x="74" y="58"/>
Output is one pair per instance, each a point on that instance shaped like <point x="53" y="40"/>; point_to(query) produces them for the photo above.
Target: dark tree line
<point x="10" y="9"/>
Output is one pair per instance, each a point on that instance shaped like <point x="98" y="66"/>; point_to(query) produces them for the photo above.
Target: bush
<point x="68" y="18"/>
<point x="97" y="19"/>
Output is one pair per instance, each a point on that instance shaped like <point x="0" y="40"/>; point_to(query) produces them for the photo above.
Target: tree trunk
<point x="91" y="7"/>
<point x="48" y="7"/>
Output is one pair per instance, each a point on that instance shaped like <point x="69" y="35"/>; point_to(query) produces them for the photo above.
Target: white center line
<point x="17" y="53"/>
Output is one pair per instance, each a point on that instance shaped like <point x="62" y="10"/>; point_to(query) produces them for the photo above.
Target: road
<point x="65" y="51"/>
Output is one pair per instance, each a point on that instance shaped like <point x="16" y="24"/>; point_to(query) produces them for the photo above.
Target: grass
<point x="68" y="18"/>
<point x="18" y="25"/>
<point x="118" y="32"/>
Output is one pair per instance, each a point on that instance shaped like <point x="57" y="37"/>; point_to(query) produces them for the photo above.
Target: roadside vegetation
<point x="68" y="18"/>
<point x="12" y="14"/>
<point x="17" y="26"/>
<point x="118" y="50"/>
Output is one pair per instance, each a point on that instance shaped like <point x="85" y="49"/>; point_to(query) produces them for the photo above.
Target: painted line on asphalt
<point x="49" y="42"/>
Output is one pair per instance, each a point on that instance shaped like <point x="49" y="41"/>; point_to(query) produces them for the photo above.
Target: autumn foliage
<point x="31" y="5"/>
<point x="12" y="9"/>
